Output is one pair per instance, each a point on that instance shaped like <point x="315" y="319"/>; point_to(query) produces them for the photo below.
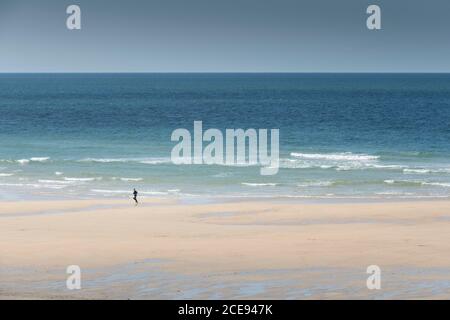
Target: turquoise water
<point x="341" y="135"/>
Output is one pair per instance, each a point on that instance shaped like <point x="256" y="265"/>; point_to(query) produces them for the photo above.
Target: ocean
<point x="342" y="136"/>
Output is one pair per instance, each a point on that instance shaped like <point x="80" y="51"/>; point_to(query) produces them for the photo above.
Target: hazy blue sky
<point x="224" y="35"/>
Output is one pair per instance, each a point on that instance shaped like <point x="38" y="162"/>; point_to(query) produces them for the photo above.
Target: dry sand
<point x="257" y="249"/>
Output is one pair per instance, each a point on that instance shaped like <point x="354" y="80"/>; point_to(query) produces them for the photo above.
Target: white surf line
<point x="78" y="210"/>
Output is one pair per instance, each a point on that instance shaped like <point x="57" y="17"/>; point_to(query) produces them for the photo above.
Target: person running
<point x="135" y="193"/>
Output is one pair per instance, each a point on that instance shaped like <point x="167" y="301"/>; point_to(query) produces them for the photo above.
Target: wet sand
<point x="164" y="249"/>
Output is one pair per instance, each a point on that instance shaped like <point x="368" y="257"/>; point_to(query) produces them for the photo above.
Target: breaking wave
<point x="259" y="184"/>
<point x="345" y="156"/>
<point x="151" y="161"/>
<point x="82" y="179"/>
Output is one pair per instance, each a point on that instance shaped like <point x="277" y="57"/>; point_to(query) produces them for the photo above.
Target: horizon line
<point x="227" y="72"/>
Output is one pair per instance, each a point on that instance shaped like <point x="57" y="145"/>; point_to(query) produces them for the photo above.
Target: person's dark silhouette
<point x="135" y="193"/>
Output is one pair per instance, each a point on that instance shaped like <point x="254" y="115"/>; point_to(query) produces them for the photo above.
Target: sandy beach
<point x="254" y="249"/>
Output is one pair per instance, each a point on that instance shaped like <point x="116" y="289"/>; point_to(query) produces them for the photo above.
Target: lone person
<point x="135" y="193"/>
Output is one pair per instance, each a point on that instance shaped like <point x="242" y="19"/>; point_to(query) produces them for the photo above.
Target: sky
<point x="225" y="36"/>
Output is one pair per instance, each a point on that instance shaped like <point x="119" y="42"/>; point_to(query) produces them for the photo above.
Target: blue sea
<point x="342" y="136"/>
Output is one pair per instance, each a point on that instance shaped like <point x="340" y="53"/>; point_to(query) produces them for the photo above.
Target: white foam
<point x="353" y="165"/>
<point x="23" y="161"/>
<point x="424" y="170"/>
<point x="33" y="159"/>
<point x="154" y="193"/>
<point x="437" y="184"/>
<point x="339" y="161"/>
<point x="316" y="184"/>
<point x="6" y="174"/>
<point x="81" y="179"/>
<point x="131" y="179"/>
<point x="395" y="193"/>
<point x="39" y="159"/>
<point x="156" y="161"/>
<point x="103" y="160"/>
<point x="259" y="184"/>
<point x="409" y="182"/>
<point x="416" y="171"/>
<point x="59" y="173"/>
<point x="385" y="166"/>
<point x="106" y="191"/>
<point x="346" y="156"/>
<point x="111" y="191"/>
<point x="11" y="184"/>
<point x="151" y="161"/>
<point x="56" y="181"/>
<point x="418" y="182"/>
<point x="34" y="185"/>
<point x="297" y="164"/>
